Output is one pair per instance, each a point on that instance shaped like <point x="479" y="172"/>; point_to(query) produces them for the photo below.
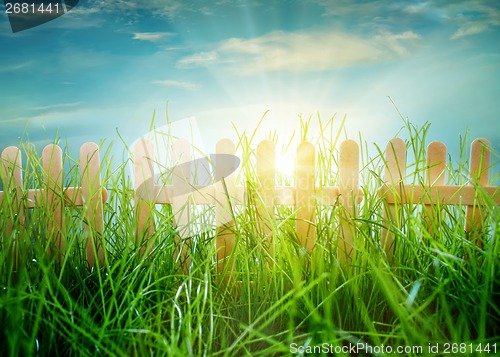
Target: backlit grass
<point x="438" y="289"/>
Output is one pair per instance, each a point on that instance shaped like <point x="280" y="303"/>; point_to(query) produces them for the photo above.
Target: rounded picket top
<point x="305" y="150"/>
<point x="10" y="153"/>
<point x="225" y="146"/>
<point x="480" y="161"/>
<point x="395" y="157"/>
<point x="144" y="170"/>
<point x="51" y="150"/>
<point x="349" y="150"/>
<point x="12" y="157"/>
<point x="266" y="148"/>
<point x="89" y="147"/>
<point x="349" y="172"/>
<point x="226" y="162"/>
<point x="436" y="163"/>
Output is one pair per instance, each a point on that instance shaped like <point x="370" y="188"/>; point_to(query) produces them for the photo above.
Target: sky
<point x="106" y="66"/>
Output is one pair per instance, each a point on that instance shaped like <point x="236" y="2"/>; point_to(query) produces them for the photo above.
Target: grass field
<point x="440" y="294"/>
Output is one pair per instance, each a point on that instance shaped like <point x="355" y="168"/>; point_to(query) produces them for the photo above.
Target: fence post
<point x="479" y="175"/>
<point x="435" y="176"/>
<point x="349" y="191"/>
<point x="224" y="192"/>
<point x="92" y="195"/>
<point x="144" y="192"/>
<point x="395" y="161"/>
<point x="266" y="176"/>
<point x="12" y="178"/>
<point x="304" y="195"/>
<point x="181" y="202"/>
<point x="54" y="197"/>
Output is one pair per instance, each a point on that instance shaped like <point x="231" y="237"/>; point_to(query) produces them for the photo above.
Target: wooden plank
<point x="143" y="191"/>
<point x="224" y="196"/>
<point x="328" y="196"/>
<point x="325" y="196"/>
<point x="304" y="195"/>
<point x="395" y="168"/>
<point x="436" y="164"/>
<point x="12" y="178"/>
<point x="72" y="196"/>
<point x="444" y="195"/>
<point x="435" y="175"/>
<point x="395" y="161"/>
<point x="53" y="201"/>
<point x="285" y="195"/>
<point x="181" y="203"/>
<point x="348" y="190"/>
<point x="201" y="195"/>
<point x="266" y="176"/>
<point x="479" y="175"/>
<point x="91" y="195"/>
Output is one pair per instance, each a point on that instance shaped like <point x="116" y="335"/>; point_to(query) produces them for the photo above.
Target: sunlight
<point x="285" y="164"/>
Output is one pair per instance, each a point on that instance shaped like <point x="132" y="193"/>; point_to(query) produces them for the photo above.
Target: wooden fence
<point x="305" y="196"/>
<point x="54" y="196"/>
<point x="434" y="193"/>
<point x="224" y="194"/>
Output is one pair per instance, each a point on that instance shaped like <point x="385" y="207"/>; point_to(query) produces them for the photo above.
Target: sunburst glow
<point x="285" y="165"/>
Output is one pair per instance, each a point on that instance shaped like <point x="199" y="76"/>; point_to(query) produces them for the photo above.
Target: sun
<point x="285" y="164"/>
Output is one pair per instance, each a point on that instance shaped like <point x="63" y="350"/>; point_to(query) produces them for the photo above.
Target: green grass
<point x="440" y="289"/>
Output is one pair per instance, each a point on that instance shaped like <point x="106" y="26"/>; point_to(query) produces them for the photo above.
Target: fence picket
<point x="479" y="175"/>
<point x="348" y="190"/>
<point x="435" y="176"/>
<point x="225" y="198"/>
<point x="181" y="202"/>
<point x="266" y="178"/>
<point x="144" y="192"/>
<point x="54" y="198"/>
<point x="395" y="162"/>
<point x="305" y="201"/>
<point x="92" y="196"/>
<point x="12" y="177"/>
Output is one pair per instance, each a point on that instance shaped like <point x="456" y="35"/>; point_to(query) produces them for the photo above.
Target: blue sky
<point x="110" y="64"/>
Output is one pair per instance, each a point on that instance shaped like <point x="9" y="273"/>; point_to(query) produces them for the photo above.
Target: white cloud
<point x="346" y="7"/>
<point x="152" y="36"/>
<point x="417" y="8"/>
<point x="58" y="106"/>
<point x="198" y="59"/>
<point x="469" y="29"/>
<point x="178" y="84"/>
<point x="305" y="51"/>
<point x="473" y="17"/>
<point x="170" y="9"/>
<point x="16" y="67"/>
<point x="164" y="8"/>
<point x="395" y="42"/>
